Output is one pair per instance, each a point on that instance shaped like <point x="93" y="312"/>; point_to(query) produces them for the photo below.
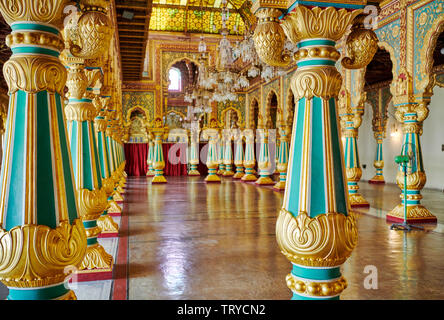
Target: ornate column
<point x="282" y="164"/>
<point x="87" y="42"/>
<point x="117" y="197"/>
<point x="40" y="230"/>
<point x="194" y="152"/>
<point x="105" y="222"/>
<point x="228" y="153"/>
<point x="150" y="172"/>
<point x="264" y="164"/>
<point x="350" y="122"/>
<point x="315" y="201"/>
<point x="239" y="154"/>
<point x="158" y="160"/>
<point x="379" y="159"/>
<point x="212" y="157"/>
<point x="220" y="155"/>
<point x="411" y="114"/>
<point x="249" y="160"/>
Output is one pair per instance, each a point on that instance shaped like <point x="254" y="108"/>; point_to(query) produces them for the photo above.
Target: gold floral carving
<point x="353" y="174"/>
<point x="107" y="224"/>
<point x="415" y="180"/>
<point x="324" y="82"/>
<point x="36" y="255"/>
<point x="48" y="11"/>
<point x="326" y="240"/>
<point x="416" y="212"/>
<point x="76" y="81"/>
<point x="34" y="74"/>
<point x="96" y="258"/>
<point x="308" y="23"/>
<point x="92" y="203"/>
<point x="269" y="38"/>
<point x="379" y="164"/>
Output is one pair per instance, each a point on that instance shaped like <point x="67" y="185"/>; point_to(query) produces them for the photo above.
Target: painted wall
<point x="431" y="141"/>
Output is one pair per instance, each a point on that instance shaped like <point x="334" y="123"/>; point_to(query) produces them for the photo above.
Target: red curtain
<point x="175" y="155"/>
<point x="136" y="155"/>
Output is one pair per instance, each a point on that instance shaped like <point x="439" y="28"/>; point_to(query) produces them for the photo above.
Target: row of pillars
<point x="63" y="165"/>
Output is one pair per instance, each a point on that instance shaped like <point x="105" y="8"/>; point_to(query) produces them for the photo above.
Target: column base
<point x="117" y="197"/>
<point x="96" y="265"/>
<point x="109" y="228"/>
<point x="248" y="177"/>
<point x="238" y="175"/>
<point x="415" y="214"/>
<point x="280" y="186"/>
<point x="150" y="174"/>
<point x="220" y="172"/>
<point x="212" y="179"/>
<point x="377" y="180"/>
<point x="357" y="200"/>
<point x="193" y="173"/>
<point x="120" y="189"/>
<point x="265" y="181"/>
<point x="228" y="173"/>
<point x="114" y="209"/>
<point x="158" y="180"/>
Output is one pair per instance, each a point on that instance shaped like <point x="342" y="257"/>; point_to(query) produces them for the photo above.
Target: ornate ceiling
<point x="137" y="18"/>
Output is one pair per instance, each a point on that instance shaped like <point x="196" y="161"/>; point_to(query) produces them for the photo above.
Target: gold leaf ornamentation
<point x="92" y="203"/>
<point x="34" y="74"/>
<point x="324" y="82"/>
<point x="36" y="255"/>
<point x="361" y="46"/>
<point x="96" y="258"/>
<point x="48" y="11"/>
<point x="324" y="241"/>
<point x="80" y="111"/>
<point x="415" y="180"/>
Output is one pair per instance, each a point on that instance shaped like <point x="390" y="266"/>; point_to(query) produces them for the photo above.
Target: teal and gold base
<point x="159" y="177"/>
<point x="228" y="171"/>
<point x="239" y="172"/>
<point x="264" y="181"/>
<point x="249" y="175"/>
<point x="193" y="170"/>
<point x="212" y="176"/>
<point x="59" y="291"/>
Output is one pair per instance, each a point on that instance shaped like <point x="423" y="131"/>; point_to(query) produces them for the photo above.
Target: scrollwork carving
<point x="324" y="82"/>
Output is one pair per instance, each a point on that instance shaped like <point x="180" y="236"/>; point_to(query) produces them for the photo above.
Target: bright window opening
<point x="175" y="82"/>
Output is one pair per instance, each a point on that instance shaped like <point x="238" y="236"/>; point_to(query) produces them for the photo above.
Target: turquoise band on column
<point x="316" y="42"/>
<point x="316" y="62"/>
<point x="91" y="241"/>
<point x="326" y="274"/>
<point x="32" y="26"/>
<point x="34" y="50"/>
<point x="89" y="224"/>
<point x="42" y="293"/>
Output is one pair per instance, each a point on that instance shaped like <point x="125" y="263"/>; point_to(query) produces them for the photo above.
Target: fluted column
<point x="239" y="154"/>
<point x="264" y="163"/>
<point x="158" y="160"/>
<point x="408" y="114"/>
<point x="379" y="159"/>
<point x="220" y="155"/>
<point x="40" y="230"/>
<point x="150" y="172"/>
<point x="282" y="162"/>
<point x="228" y="153"/>
<point x="105" y="222"/>
<point x="250" y="159"/>
<point x="315" y="228"/>
<point x="353" y="169"/>
<point x="117" y="197"/>
<point x="212" y="156"/>
<point x="194" y="152"/>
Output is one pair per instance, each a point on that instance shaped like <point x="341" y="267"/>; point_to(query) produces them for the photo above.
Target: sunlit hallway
<point x="192" y="240"/>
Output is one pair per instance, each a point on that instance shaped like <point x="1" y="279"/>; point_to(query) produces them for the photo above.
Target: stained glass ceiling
<point x="196" y="16"/>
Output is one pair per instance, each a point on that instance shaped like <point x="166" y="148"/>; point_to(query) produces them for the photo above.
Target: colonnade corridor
<point x="191" y="240"/>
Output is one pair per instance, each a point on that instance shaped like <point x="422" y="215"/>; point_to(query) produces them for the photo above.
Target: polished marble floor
<point x="191" y="240"/>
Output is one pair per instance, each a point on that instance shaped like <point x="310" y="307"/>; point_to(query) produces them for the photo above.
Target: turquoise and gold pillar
<point x="212" y="157"/>
<point x="239" y="154"/>
<point x="250" y="159"/>
<point x="408" y="114"/>
<point x="40" y="229"/>
<point x="315" y="229"/>
<point x="105" y="222"/>
<point x="194" y="152"/>
<point x="117" y="197"/>
<point x="220" y="155"/>
<point x="379" y="160"/>
<point x="352" y="121"/>
<point x="282" y="162"/>
<point x="150" y="172"/>
<point x="264" y="163"/>
<point x="228" y="153"/>
<point x="158" y="160"/>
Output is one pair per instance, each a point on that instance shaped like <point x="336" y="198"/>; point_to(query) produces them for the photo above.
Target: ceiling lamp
<point x="202" y="45"/>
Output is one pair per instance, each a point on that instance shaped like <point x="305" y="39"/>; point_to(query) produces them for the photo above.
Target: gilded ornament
<point x="318" y="288"/>
<point x="80" y="111"/>
<point x="415" y="180"/>
<point x="36" y="255"/>
<point x="326" y="240"/>
<point x="324" y="82"/>
<point x="76" y="81"/>
<point x="269" y="38"/>
<point x="96" y="257"/>
<point x="47" y="11"/>
<point x="34" y="73"/>
<point x="107" y="224"/>
<point x="92" y="203"/>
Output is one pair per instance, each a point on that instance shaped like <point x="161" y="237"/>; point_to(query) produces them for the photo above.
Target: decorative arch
<point x="224" y="113"/>
<point x="426" y="55"/>
<point x="165" y="76"/>
<point x="130" y="111"/>
<point x="290" y="106"/>
<point x="268" y="101"/>
<point x="254" y="102"/>
<point x="387" y="47"/>
<point x="176" y="112"/>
